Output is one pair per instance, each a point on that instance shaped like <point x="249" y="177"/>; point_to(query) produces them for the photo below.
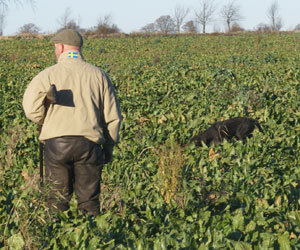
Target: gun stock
<point x="51" y="96"/>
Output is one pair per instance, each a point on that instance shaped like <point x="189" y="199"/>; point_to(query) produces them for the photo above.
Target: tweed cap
<point x="68" y="36"/>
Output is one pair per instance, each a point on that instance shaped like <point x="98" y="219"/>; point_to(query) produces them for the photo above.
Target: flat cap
<point x="68" y="36"/>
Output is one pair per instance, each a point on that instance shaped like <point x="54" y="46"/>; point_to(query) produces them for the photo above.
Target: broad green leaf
<point x="284" y="242"/>
<point x="16" y="242"/>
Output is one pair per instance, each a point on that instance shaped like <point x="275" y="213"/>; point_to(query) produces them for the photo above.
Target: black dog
<point x="239" y="127"/>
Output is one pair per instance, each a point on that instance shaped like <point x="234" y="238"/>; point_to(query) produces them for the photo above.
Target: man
<point x="81" y="129"/>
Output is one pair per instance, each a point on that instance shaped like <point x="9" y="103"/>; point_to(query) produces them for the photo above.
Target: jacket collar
<point x="70" y="55"/>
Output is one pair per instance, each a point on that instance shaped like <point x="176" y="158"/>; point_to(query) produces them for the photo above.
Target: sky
<point x="132" y="15"/>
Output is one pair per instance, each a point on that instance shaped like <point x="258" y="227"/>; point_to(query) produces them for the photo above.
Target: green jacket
<point x="86" y="105"/>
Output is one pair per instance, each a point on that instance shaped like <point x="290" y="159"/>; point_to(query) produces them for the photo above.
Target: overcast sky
<point x="131" y="15"/>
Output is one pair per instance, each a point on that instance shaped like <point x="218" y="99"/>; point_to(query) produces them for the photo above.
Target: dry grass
<point x="13" y="136"/>
<point x="171" y="161"/>
<point x="111" y="198"/>
<point x="29" y="210"/>
<point x="28" y="200"/>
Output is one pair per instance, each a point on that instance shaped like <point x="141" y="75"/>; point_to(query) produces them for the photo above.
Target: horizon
<point x="131" y="16"/>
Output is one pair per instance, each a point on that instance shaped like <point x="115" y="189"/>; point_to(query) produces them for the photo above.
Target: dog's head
<point x="198" y="139"/>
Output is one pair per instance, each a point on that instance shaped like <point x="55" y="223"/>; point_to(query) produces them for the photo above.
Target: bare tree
<point x="65" y="18"/>
<point x="235" y="27"/>
<point x="105" y="25"/>
<point x="29" y="28"/>
<point x="190" y="27"/>
<point x="297" y="27"/>
<point x="205" y="14"/>
<point x="2" y="21"/>
<point x="165" y="24"/>
<point x="180" y="14"/>
<point x="149" y="28"/>
<point x="72" y="25"/>
<point x="273" y="15"/>
<point x="231" y="13"/>
<point x="79" y="20"/>
<point x="105" y="21"/>
<point x="5" y="3"/>
<point x="264" y="28"/>
<point x="67" y="22"/>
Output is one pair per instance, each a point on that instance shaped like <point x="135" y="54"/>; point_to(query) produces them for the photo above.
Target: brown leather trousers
<point x="73" y="163"/>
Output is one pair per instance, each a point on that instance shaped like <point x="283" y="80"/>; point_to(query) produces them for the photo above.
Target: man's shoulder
<point x="45" y="72"/>
<point x="94" y="68"/>
<point x="88" y="68"/>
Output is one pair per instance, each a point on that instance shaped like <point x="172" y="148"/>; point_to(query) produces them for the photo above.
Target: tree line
<point x="199" y="18"/>
<point x="207" y="13"/>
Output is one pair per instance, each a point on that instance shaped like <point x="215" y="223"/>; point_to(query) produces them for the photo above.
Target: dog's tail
<point x="258" y="126"/>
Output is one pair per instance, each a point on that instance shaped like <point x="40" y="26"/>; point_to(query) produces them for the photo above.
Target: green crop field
<point x="159" y="193"/>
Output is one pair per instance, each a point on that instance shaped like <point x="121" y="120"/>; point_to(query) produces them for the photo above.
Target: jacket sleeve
<point x="111" y="113"/>
<point x="33" y="100"/>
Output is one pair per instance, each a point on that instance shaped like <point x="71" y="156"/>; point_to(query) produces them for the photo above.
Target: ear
<point x="62" y="48"/>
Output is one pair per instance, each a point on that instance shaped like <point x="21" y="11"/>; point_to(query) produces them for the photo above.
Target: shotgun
<point x="51" y="98"/>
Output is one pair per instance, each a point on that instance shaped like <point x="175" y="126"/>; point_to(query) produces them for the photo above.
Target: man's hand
<point x="51" y="97"/>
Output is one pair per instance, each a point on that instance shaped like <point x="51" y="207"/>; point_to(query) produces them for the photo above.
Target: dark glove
<point x="108" y="153"/>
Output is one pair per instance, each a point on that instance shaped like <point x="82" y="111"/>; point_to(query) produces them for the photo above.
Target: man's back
<point x="83" y="96"/>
